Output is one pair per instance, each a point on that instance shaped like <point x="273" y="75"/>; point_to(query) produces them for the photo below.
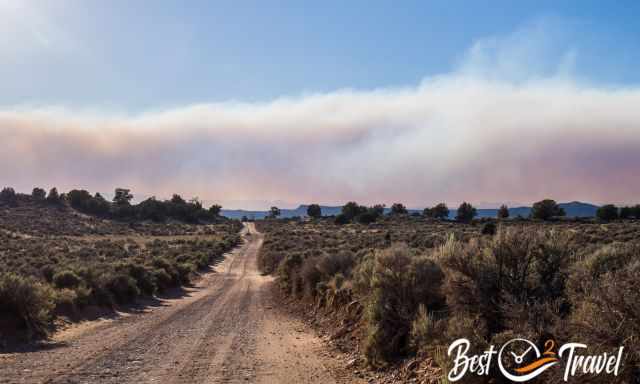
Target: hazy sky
<point x="251" y="102"/>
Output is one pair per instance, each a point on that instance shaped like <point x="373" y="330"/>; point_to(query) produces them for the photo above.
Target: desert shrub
<point x="83" y="296"/>
<point x="65" y="300"/>
<point x="47" y="273"/>
<point x="202" y="260"/>
<point x="400" y="282"/>
<point x="95" y="282"/>
<point x="604" y="291"/>
<point x="287" y="272"/>
<point x="488" y="228"/>
<point x="532" y="279"/>
<point x="185" y="271"/>
<point x="369" y="215"/>
<point x="337" y="291"/>
<point x="363" y="273"/>
<point x="341" y="219"/>
<point x="515" y="269"/>
<point x="427" y="331"/>
<point x="66" y="279"/>
<point x="168" y="267"/>
<point x="123" y="287"/>
<point x="28" y="301"/>
<point x="330" y="264"/>
<point x="311" y="276"/>
<point x="162" y="278"/>
<point x="144" y="277"/>
<point x="68" y="301"/>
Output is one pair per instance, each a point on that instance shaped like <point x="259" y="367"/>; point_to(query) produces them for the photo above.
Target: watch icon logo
<point x="514" y="354"/>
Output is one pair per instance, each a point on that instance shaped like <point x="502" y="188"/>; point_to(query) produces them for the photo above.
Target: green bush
<point x="342" y="219"/>
<point x="310" y="276"/>
<point x="27" y="301"/>
<point x="330" y="264"/>
<point x="286" y="272"/>
<point x="122" y="287"/>
<point x="169" y="268"/>
<point x="488" y="228"/>
<point x="517" y="271"/>
<point x="185" y="271"/>
<point x="145" y="279"/>
<point x="466" y="212"/>
<point x="546" y="209"/>
<point x="604" y="291"/>
<point x="607" y="212"/>
<point x="400" y="282"/>
<point x="66" y="279"/>
<point x="162" y="279"/>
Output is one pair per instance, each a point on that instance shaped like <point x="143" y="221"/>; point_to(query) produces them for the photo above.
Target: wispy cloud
<point x="499" y="128"/>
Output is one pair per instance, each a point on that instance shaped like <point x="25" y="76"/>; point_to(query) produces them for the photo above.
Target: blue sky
<point x="247" y="103"/>
<point x="136" y="56"/>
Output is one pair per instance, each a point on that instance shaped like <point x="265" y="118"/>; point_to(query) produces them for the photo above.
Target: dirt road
<point x="224" y="331"/>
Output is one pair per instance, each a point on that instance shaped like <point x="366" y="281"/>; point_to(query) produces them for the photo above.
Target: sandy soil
<point x="227" y="329"/>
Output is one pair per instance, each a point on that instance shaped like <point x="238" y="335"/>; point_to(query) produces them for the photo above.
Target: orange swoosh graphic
<point x="535" y="364"/>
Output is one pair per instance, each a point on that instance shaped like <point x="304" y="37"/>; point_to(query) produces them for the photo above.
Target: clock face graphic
<point x="520" y="360"/>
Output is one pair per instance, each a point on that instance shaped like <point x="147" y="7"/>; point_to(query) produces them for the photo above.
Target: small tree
<point x="635" y="211"/>
<point x="195" y="203"/>
<point x="122" y="207"/>
<point x="377" y="209"/>
<point x="8" y="195"/>
<point x="342" y="219"/>
<point x="177" y="199"/>
<point x="607" y="212"/>
<point x="215" y="210"/>
<point x="122" y="196"/>
<point x="314" y="211"/>
<point x="54" y="197"/>
<point x="79" y="199"/>
<point x="38" y="194"/>
<point x="546" y="209"/>
<point x="398" y="209"/>
<point x="370" y="215"/>
<point x="626" y="212"/>
<point x="466" y="212"/>
<point x="439" y="211"/>
<point x="351" y="210"/>
<point x="503" y="212"/>
<point x="274" y="212"/>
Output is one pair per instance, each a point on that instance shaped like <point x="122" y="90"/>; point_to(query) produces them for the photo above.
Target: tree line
<point x="546" y="209"/>
<point x="120" y="207"/>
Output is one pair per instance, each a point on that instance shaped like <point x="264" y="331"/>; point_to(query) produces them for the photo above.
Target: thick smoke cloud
<point x="467" y="135"/>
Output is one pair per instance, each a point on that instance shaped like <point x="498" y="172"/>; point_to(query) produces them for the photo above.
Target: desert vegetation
<point x="60" y="254"/>
<point x="404" y="287"/>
